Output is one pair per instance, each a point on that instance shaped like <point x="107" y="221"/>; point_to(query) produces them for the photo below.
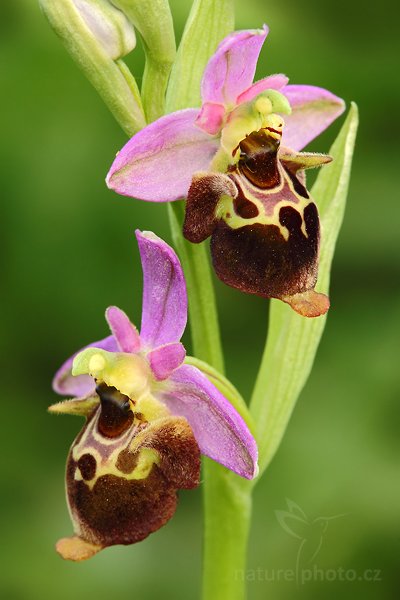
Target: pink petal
<point x="218" y="428"/>
<point x="231" y="70"/>
<point x="313" y="110"/>
<point x="273" y="82"/>
<point x="157" y="164"/>
<point x="124" y="332"/>
<point x="164" y="311"/>
<point x="165" y="359"/>
<point x="81" y="385"/>
<point x="211" y="117"/>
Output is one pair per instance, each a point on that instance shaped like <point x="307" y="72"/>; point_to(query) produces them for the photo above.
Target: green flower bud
<point x="108" y="25"/>
<point x="97" y="35"/>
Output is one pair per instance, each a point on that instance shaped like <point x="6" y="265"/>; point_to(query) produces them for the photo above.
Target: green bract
<point x="293" y="341"/>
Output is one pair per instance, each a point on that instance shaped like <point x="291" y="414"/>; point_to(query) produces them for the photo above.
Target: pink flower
<point x="149" y="416"/>
<point x="158" y="163"/>
<point x="213" y="143"/>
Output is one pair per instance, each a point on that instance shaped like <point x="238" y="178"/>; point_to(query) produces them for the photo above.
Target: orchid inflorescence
<point x="150" y="410"/>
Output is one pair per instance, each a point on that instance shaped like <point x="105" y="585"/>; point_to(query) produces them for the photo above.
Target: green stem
<point x="203" y="315"/>
<point x="155" y="79"/>
<point x="227" y="506"/>
<point x="227" y="497"/>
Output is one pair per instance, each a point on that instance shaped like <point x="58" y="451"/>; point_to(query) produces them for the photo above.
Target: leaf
<point x="208" y="23"/>
<point x="293" y="340"/>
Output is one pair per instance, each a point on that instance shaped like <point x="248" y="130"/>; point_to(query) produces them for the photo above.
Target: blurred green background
<point x="68" y="251"/>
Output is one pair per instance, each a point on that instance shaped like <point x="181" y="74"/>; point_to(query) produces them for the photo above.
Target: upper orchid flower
<point x="148" y="417"/>
<point x="237" y="161"/>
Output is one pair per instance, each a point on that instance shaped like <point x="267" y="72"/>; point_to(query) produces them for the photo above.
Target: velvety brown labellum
<point x="263" y="224"/>
<point x="257" y="259"/>
<point x="123" y="486"/>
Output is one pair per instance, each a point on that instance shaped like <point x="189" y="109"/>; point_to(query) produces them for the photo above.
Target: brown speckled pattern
<point x="114" y="500"/>
<point x="258" y="260"/>
<point x="268" y="242"/>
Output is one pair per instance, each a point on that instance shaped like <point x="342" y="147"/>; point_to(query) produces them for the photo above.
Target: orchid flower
<point x="149" y="416"/>
<point x="239" y="164"/>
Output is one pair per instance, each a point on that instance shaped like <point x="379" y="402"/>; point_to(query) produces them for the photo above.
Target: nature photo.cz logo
<point x="310" y="534"/>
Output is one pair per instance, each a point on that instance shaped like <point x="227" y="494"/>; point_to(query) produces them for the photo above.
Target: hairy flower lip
<point x="183" y="389"/>
<point x="263" y="224"/>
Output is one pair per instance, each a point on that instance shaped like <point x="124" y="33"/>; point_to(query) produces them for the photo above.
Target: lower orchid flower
<point x="238" y="162"/>
<point x="148" y="418"/>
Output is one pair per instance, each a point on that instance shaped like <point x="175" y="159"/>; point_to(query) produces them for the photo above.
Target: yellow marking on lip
<point x="225" y="210"/>
<point x="225" y="207"/>
<point x="106" y="465"/>
<point x="303" y="202"/>
<point x="78" y="474"/>
<point x="148" y="457"/>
